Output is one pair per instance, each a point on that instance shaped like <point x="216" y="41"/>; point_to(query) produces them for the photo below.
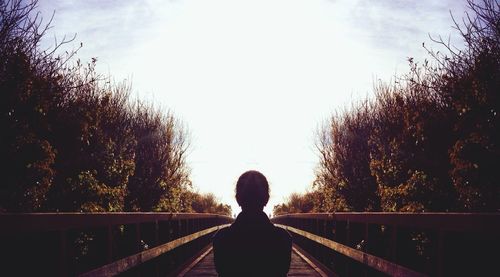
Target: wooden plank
<point x="134" y="260"/>
<point x="205" y="267"/>
<point x="313" y="263"/>
<point x="364" y="258"/>
<point x="196" y="261"/>
<point x="300" y="266"/>
<point x="34" y="222"/>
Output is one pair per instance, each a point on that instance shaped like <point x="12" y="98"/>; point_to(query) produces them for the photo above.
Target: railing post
<point x="180" y="251"/>
<point x="323" y="250"/>
<point x="156" y="233"/>
<point x="189" y="230"/>
<point x="394" y="243"/>
<point x="63" y="267"/>
<point x="138" y="244"/>
<point x="348" y="233"/>
<point x="109" y="256"/>
<point x="317" y="248"/>
<point x="440" y="250"/>
<point x="348" y="243"/>
<point x="332" y="234"/>
<point x="367" y="236"/>
<point x="169" y="233"/>
<point x="138" y="237"/>
<point x="367" y="244"/>
<point x="333" y="231"/>
<point x="157" y="242"/>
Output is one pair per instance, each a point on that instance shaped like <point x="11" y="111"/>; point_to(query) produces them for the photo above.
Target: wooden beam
<point x="188" y="267"/>
<point x="139" y="258"/>
<point x="321" y="269"/>
<point x="35" y="222"/>
<point x="484" y="222"/>
<point x="364" y="258"/>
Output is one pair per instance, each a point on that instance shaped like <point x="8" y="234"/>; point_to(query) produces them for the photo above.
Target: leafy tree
<point x="471" y="84"/>
<point x="207" y="203"/>
<point x="428" y="142"/>
<point x="26" y="82"/>
<point x="161" y="172"/>
<point x="345" y="159"/>
<point x="296" y="203"/>
<point x="72" y="140"/>
<point x="93" y="124"/>
<point x="408" y="148"/>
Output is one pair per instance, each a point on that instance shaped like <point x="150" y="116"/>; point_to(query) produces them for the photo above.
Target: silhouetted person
<point x="252" y="245"/>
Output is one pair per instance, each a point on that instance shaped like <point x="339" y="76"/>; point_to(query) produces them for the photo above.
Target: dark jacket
<point x="252" y="246"/>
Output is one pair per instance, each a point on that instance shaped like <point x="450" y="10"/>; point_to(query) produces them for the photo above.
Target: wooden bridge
<point x="179" y="244"/>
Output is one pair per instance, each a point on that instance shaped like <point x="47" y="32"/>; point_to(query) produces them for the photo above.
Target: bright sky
<point x="252" y="80"/>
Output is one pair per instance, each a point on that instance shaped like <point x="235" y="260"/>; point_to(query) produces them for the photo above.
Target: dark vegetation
<point x="207" y="203"/>
<point x="72" y="140"/>
<point x="427" y="142"/>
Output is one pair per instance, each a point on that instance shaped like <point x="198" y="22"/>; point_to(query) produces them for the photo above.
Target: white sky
<point x="252" y="80"/>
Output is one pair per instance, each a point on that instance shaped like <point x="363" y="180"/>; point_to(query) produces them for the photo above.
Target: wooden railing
<point x="399" y="244"/>
<point x="102" y="244"/>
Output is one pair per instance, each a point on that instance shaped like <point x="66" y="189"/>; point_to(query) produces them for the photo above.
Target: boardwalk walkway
<point x="204" y="266"/>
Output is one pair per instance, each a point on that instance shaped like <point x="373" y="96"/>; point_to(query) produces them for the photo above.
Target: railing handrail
<point x="162" y="232"/>
<point x="372" y="261"/>
<point x="34" y="222"/>
<point x="429" y="220"/>
<point x="355" y="235"/>
<point x="131" y="261"/>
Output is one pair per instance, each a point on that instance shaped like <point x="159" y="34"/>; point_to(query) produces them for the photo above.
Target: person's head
<point x="252" y="191"/>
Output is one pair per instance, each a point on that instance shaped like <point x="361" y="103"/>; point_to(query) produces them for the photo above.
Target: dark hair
<point x="252" y="190"/>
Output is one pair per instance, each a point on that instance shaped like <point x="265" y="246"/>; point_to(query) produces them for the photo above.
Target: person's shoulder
<point x="282" y="233"/>
<point x="222" y="234"/>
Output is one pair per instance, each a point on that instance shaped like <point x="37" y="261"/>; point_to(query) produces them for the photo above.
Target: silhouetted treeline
<point x="296" y="203"/>
<point x="426" y="142"/>
<point x="208" y="203"/>
<point x="71" y="140"/>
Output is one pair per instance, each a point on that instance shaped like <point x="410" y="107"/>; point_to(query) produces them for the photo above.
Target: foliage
<point x="426" y="142"/>
<point x="72" y="139"/>
<point x="26" y="80"/>
<point x="347" y="137"/>
<point x="471" y="84"/>
<point x="296" y="203"/>
<point x="207" y="203"/>
<point x="159" y="156"/>
<point x="93" y="124"/>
